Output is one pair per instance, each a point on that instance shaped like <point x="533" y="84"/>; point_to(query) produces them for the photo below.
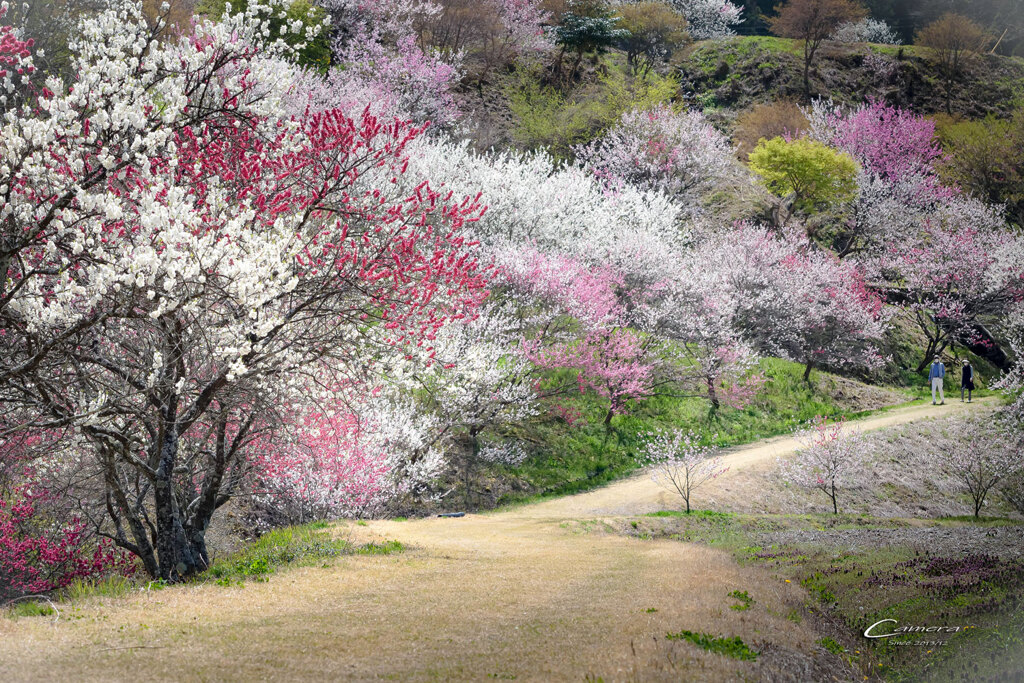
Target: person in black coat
<point x="966" y="381"/>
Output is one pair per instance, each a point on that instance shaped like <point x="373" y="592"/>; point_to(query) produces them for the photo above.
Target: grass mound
<point x="306" y="545"/>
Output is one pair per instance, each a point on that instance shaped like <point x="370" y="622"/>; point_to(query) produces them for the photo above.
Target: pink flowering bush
<point x="617" y="364"/>
<point x="44" y="543"/>
<point x="379" y="53"/>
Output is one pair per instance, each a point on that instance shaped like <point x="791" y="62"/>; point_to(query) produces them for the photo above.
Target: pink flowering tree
<point x="952" y="277"/>
<point x="345" y="459"/>
<point x="892" y="143"/>
<point x="678" y="153"/>
<point x="379" y="52"/>
<point x="828" y="459"/>
<point x="617" y="364"/>
<point x="790" y="299"/>
<point x="899" y="185"/>
<point x="517" y="34"/>
<point x="187" y="259"/>
<point x="714" y="361"/>
<point x="523" y="24"/>
<point x="609" y="356"/>
<point x="681" y="465"/>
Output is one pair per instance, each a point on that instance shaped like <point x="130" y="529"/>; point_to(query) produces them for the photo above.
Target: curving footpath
<point x="518" y="594"/>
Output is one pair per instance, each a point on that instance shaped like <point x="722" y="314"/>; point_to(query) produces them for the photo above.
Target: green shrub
<point x="816" y="175"/>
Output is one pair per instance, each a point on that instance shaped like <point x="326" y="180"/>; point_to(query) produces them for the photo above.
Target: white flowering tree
<point x="678" y="153"/>
<point x="710" y="19"/>
<point x="186" y="265"/>
<point x="980" y="463"/>
<point x="866" y="30"/>
<point x="828" y="460"/>
<point x="680" y="464"/>
<point x="481" y="381"/>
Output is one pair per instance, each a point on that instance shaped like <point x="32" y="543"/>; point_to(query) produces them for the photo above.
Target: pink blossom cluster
<point x="15" y="59"/>
<point x="325" y="468"/>
<point x="380" y="56"/>
<point x="588" y="293"/>
<point x="43" y="545"/>
<point x="894" y="144"/>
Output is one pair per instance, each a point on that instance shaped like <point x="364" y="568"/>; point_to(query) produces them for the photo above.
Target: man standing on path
<point x="937" y="375"/>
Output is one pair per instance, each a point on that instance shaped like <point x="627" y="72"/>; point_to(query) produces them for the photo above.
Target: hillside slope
<point x="742" y="71"/>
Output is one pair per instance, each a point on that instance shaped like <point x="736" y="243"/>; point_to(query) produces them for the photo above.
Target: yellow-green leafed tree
<point x="816" y="175"/>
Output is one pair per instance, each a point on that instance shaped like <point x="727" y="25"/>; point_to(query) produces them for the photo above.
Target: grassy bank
<point x="872" y="577"/>
<point x="576" y="453"/>
<point x="307" y="545"/>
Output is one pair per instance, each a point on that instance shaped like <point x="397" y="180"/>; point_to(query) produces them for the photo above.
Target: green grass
<point x="306" y="545"/>
<point x="28" y="608"/>
<point x="570" y="459"/>
<point x="730" y="647"/>
<point x="745" y="601"/>
<point x="693" y="514"/>
<point x="832" y="646"/>
<point x="110" y="587"/>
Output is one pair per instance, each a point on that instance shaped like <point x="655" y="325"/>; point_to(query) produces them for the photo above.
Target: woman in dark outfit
<point x="966" y="381"/>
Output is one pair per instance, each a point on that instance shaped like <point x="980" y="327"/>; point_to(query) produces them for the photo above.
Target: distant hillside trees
<point x="866" y="31"/>
<point x="655" y="31"/>
<point x="953" y="38"/>
<point x="710" y="19"/>
<point x="986" y="159"/>
<point x="813" y="22"/>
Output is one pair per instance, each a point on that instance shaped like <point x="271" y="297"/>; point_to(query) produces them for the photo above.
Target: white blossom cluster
<point x="867" y="31"/>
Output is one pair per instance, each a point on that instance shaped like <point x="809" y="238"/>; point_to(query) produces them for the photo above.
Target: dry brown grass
<point x="484" y="597"/>
<point x="767" y="121"/>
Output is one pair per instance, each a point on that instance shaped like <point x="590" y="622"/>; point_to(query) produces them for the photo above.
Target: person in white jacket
<point x="937" y="375"/>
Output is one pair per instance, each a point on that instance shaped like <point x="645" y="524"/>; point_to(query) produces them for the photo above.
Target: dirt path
<point x="501" y="596"/>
